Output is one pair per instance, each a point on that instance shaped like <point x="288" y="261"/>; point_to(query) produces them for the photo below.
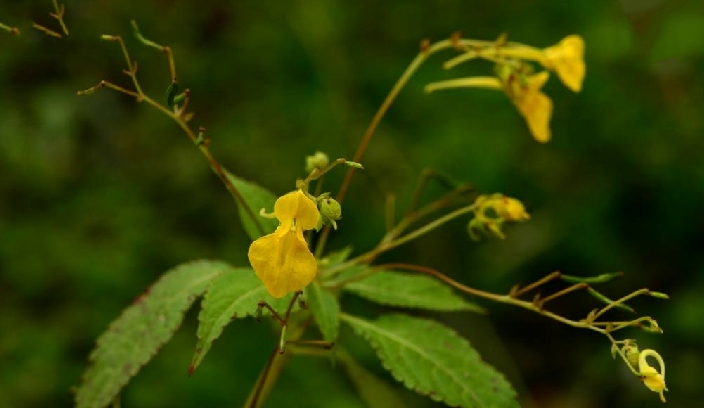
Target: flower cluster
<point x="515" y="77"/>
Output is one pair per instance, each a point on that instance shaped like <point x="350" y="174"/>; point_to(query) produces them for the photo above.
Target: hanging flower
<point x="282" y="259"/>
<point x="654" y="380"/>
<point x="567" y="60"/>
<point x="491" y="212"/>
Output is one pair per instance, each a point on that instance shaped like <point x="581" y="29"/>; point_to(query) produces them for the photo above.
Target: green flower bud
<point x="632" y="353"/>
<point x="319" y="160"/>
<point x="330" y="211"/>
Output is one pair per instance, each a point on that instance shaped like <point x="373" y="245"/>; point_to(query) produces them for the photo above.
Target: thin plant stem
<point x="422" y="56"/>
<point x="570" y="289"/>
<point x="149" y="43"/>
<point x="423" y="180"/>
<point x="180" y="119"/>
<point x="493" y="296"/>
<point x="11" y="30"/>
<point x="426" y="175"/>
<point x="253" y="400"/>
<point x="536" y="284"/>
<point x="427" y="228"/>
<point x="59" y="15"/>
<point x="263" y="305"/>
<point x="619" y="301"/>
<point x="46" y="30"/>
<point x="406" y="222"/>
<point x="276" y="362"/>
<point x="390" y="212"/>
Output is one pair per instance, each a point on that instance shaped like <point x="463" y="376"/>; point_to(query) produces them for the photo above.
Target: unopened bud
<point x="330" y="211"/>
<point x="511" y="209"/>
<point x="632" y="353"/>
<point x="319" y="160"/>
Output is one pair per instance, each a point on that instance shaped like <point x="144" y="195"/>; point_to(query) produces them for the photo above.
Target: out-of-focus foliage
<point x="99" y="195"/>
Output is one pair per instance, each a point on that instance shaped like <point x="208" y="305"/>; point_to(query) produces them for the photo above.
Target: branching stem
<point x="180" y="119"/>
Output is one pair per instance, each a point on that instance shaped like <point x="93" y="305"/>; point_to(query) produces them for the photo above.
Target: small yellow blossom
<point x="535" y="107"/>
<point x="282" y="259"/>
<point x="511" y="209"/>
<point x="654" y="380"/>
<point x="492" y="211"/>
<point x="567" y="60"/>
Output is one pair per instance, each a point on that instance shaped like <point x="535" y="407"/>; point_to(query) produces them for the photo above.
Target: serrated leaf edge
<point x="375" y="345"/>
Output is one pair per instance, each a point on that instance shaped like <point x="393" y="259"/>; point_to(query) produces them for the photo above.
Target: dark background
<point x="99" y="195"/>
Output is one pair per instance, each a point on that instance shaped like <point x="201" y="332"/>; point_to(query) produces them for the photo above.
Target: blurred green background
<point x="99" y="195"/>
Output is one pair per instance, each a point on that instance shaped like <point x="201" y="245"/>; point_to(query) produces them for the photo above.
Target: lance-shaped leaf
<point x="135" y="337"/>
<point x="234" y="294"/>
<point x="410" y="290"/>
<point x="433" y="360"/>
<point x="256" y="198"/>
<point x="325" y="309"/>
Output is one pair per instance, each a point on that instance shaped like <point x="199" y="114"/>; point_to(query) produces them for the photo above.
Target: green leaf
<point x="233" y="294"/>
<point x="410" y="290"/>
<point x="325" y="309"/>
<point x="137" y="334"/>
<point x="349" y="273"/>
<point x="374" y="391"/>
<point x="256" y="198"/>
<point x="433" y="360"/>
<point x="337" y="257"/>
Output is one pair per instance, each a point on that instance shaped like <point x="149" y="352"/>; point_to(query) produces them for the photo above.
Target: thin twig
<point x="11" y="30"/>
<point x="575" y="287"/>
<point x="180" y="120"/>
<point x="536" y="284"/>
<point x="46" y="30"/>
<point x="59" y="15"/>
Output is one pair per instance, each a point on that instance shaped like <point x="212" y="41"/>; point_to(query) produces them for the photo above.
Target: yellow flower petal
<point x="567" y="60"/>
<point x="511" y="209"/>
<point x="296" y="205"/>
<point x="535" y="107"/>
<point x="282" y="260"/>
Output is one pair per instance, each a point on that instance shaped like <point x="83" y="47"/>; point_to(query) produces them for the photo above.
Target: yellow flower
<point x="654" y="380"/>
<point x="567" y="60"/>
<point x="511" y="209"/>
<point x="282" y="259"/>
<point x="531" y="102"/>
<point x="490" y="213"/>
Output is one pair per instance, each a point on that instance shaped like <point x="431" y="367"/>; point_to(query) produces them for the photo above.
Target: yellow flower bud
<point x="511" y="209"/>
<point x="490" y="213"/>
